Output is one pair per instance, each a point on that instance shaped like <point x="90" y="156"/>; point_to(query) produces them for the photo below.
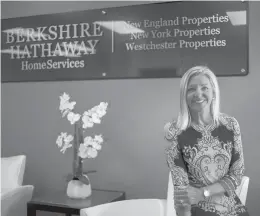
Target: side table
<point x="57" y="201"/>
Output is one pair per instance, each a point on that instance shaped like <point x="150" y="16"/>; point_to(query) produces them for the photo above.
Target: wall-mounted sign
<point x="142" y="41"/>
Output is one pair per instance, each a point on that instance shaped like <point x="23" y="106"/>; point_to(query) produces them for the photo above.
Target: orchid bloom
<point x="64" y="141"/>
<point x="91" y="146"/>
<point x="72" y="117"/>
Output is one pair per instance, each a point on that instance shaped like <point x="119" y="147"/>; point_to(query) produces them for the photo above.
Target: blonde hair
<point x="184" y="117"/>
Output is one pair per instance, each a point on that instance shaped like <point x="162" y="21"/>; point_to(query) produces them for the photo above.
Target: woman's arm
<point x="214" y="189"/>
<point x="233" y="178"/>
<point x="178" y="170"/>
<point x="229" y="183"/>
<point x="197" y="194"/>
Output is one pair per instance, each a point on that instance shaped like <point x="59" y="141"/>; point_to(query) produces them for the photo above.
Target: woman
<point x="205" y="152"/>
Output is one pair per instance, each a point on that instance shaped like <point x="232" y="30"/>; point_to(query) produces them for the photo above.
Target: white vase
<point x="78" y="190"/>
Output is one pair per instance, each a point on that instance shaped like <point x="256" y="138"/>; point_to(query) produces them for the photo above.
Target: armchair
<point x="14" y="195"/>
<point x="149" y="207"/>
<point x="137" y="207"/>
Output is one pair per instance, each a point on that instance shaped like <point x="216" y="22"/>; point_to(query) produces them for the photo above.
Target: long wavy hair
<point x="184" y="117"/>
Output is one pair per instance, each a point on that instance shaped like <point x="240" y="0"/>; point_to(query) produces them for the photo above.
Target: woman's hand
<point x="182" y="202"/>
<point x="195" y="195"/>
<point x="181" y="198"/>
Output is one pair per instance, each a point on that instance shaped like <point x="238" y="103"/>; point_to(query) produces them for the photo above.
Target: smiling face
<point x="199" y="93"/>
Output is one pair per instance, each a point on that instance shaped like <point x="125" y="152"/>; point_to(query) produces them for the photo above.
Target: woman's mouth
<point x="199" y="101"/>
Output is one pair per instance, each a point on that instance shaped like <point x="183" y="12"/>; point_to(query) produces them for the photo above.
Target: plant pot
<point x="79" y="186"/>
<point x="76" y="189"/>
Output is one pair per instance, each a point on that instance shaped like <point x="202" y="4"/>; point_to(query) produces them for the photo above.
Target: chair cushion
<point x="12" y="171"/>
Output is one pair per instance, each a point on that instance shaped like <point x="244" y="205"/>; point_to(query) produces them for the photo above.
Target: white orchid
<point x="98" y="138"/>
<point x="83" y="151"/>
<point x="87" y="152"/>
<point x="95" y="118"/>
<point x="68" y="139"/>
<point x="65" y="147"/>
<point x="88" y="141"/>
<point x="65" y="105"/>
<point x="92" y="153"/>
<point x="102" y="108"/>
<point x="87" y="113"/>
<point x="72" y="117"/>
<point x="87" y="122"/>
<point x="59" y="141"/>
<point x="63" y="99"/>
<point x="64" y="141"/>
<point x="101" y="113"/>
<point x="94" y="109"/>
<point x="65" y="96"/>
<point x="96" y="146"/>
<point x="91" y="146"/>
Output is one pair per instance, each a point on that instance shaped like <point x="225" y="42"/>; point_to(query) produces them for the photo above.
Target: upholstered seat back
<point x="12" y="171"/>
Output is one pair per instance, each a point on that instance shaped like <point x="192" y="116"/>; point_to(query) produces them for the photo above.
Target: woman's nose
<point x="198" y="93"/>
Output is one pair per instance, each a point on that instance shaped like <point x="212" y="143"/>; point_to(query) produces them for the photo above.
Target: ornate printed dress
<point x="200" y="156"/>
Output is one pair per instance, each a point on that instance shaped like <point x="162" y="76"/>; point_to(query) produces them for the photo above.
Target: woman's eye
<point x="191" y="89"/>
<point x="204" y="88"/>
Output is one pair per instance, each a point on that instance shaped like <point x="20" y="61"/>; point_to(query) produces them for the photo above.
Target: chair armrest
<point x="163" y="202"/>
<point x="138" y="207"/>
<point x="97" y="210"/>
<point x="14" y="201"/>
<point x="170" y="208"/>
<point x="242" y="189"/>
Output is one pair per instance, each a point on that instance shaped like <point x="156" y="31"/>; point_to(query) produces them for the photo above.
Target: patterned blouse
<point x="200" y="156"/>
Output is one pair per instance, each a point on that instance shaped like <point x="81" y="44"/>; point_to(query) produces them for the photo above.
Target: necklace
<point x="203" y="128"/>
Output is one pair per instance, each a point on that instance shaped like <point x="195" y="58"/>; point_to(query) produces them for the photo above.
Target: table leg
<point x="31" y="211"/>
